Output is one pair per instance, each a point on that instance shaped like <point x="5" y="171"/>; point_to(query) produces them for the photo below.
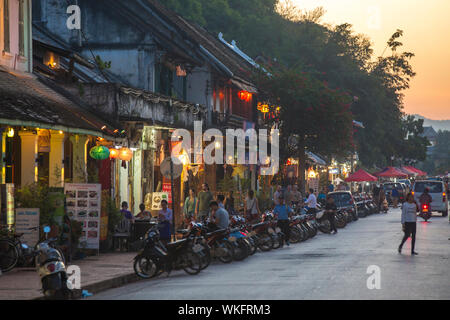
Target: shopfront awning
<point x="316" y="159"/>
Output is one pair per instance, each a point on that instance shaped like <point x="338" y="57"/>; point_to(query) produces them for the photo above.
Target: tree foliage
<point x="280" y="32"/>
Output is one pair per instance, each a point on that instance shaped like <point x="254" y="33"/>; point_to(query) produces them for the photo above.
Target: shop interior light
<point x="10" y="133"/>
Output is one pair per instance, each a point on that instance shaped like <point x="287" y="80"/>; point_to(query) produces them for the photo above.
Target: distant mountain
<point x="436" y="124"/>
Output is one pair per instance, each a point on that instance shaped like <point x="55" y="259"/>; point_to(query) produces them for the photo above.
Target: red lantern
<point x="113" y="153"/>
<point x="245" y="95"/>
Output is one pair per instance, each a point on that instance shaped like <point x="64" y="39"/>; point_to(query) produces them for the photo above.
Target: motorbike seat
<point x="216" y="232"/>
<point x="176" y="243"/>
<point x="184" y="231"/>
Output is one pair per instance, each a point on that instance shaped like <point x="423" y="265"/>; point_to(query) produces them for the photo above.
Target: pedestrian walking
<point x="395" y="196"/>
<point x="331" y="187"/>
<point x="296" y="196"/>
<point x="204" y="199"/>
<point x="409" y="222"/>
<point x="330" y="211"/>
<point x="282" y="212"/>
<point x="221" y="201"/>
<point x="277" y="195"/>
<point x="229" y="203"/>
<point x="311" y="202"/>
<point x="189" y="206"/>
<point x="251" y="207"/>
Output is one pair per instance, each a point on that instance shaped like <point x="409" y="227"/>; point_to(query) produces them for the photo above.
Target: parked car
<point x="344" y="200"/>
<point x="437" y="192"/>
<point x="408" y="184"/>
<point x="389" y="186"/>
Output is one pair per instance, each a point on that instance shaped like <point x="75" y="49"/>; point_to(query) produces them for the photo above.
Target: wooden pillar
<point x="29" y="150"/>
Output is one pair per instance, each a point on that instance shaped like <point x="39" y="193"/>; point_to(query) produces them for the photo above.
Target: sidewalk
<point x="98" y="273"/>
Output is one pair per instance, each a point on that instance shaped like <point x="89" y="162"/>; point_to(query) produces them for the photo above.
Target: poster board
<point x="26" y="219"/>
<point x="84" y="205"/>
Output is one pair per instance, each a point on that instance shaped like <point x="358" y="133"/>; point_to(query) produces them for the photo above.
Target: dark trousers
<point x="410" y="231"/>
<point x="285" y="228"/>
<point x="331" y="217"/>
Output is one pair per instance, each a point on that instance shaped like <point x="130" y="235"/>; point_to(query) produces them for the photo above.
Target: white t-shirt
<point x="251" y="205"/>
<point x="312" y="201"/>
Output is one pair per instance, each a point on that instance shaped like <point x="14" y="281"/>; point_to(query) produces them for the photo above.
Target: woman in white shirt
<point x="409" y="222"/>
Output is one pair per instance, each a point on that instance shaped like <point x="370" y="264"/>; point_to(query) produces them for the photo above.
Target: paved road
<point x="326" y="267"/>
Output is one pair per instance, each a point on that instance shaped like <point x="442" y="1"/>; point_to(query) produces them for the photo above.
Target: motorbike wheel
<point x="265" y="243"/>
<point x="223" y="251"/>
<point x="145" y="267"/>
<point x="295" y="236"/>
<point x="341" y="221"/>
<point x="275" y="241"/>
<point x="192" y="262"/>
<point x="303" y="232"/>
<point x="363" y="213"/>
<point x="325" y="227"/>
<point x="240" y="251"/>
<point x="250" y="246"/>
<point x="253" y="246"/>
<point x="205" y="255"/>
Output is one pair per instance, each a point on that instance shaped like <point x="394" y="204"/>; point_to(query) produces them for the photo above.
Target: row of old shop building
<point x="102" y="111"/>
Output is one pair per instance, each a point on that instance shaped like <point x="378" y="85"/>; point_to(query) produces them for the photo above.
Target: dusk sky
<point x="426" y="25"/>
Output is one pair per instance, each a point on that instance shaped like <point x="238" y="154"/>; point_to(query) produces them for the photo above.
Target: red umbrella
<point x="360" y="176"/>
<point x="409" y="172"/>
<point x="391" y="172"/>
<point x="420" y="173"/>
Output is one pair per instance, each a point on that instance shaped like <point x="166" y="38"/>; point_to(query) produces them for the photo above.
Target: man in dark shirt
<point x="330" y="211"/>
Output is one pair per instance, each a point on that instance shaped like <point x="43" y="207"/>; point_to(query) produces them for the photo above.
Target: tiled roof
<point x="239" y="66"/>
<point x="26" y="99"/>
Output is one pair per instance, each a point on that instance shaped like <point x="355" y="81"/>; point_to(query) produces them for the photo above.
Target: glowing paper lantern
<point x="245" y="95"/>
<point x="113" y="153"/>
<point x="99" y="153"/>
<point x="125" y="154"/>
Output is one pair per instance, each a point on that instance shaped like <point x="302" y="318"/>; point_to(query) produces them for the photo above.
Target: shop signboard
<point x="84" y="205"/>
<point x="167" y="188"/>
<point x="25" y="220"/>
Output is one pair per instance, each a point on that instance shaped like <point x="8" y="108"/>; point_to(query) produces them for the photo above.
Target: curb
<point x="104" y="285"/>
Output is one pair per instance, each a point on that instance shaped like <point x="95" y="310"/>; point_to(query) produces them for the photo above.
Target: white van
<point x="437" y="192"/>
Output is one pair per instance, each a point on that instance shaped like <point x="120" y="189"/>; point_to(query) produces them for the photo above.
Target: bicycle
<point x="13" y="252"/>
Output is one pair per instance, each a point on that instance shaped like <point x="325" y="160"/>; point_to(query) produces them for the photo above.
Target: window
<point x="21" y="29"/>
<point x="6" y="45"/>
<point x="434" y="187"/>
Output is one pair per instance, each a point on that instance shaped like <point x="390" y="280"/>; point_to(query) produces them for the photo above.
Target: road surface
<point x="325" y="267"/>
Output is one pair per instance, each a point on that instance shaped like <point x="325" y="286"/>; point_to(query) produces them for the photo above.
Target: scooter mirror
<point x="47" y="229"/>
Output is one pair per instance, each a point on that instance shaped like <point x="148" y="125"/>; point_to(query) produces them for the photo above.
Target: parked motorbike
<point x="156" y="258"/>
<point x="341" y="218"/>
<point x="323" y="222"/>
<point x="52" y="270"/>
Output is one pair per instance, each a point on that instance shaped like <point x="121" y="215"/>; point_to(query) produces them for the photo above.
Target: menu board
<point x="25" y="220"/>
<point x="84" y="205"/>
<point x="157" y="197"/>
